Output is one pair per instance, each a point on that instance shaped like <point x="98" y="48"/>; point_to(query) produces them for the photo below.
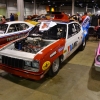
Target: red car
<point x="47" y="46"/>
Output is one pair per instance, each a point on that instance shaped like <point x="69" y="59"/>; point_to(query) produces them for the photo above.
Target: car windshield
<point x="3" y="28"/>
<point x="56" y="32"/>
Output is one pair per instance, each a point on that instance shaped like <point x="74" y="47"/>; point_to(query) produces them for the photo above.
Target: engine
<point x="32" y="45"/>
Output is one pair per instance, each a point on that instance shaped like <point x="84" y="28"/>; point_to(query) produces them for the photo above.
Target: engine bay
<point x="31" y="45"/>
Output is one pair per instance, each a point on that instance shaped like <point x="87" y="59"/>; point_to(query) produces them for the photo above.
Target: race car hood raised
<point x="29" y="49"/>
<point x="43" y="39"/>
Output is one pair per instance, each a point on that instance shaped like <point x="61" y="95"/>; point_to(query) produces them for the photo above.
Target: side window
<point x="71" y="30"/>
<point x="61" y="30"/>
<point x="78" y="27"/>
<point x="12" y="28"/>
<point x="21" y="26"/>
<point x="24" y="26"/>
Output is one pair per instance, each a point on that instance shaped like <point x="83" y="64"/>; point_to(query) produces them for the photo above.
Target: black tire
<point x="87" y="37"/>
<point x="82" y="46"/>
<point x="54" y="69"/>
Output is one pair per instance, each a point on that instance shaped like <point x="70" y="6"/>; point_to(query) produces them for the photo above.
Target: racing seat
<point x="61" y="32"/>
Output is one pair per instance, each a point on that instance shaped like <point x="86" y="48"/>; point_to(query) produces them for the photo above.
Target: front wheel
<point x="54" y="68"/>
<point x="82" y="46"/>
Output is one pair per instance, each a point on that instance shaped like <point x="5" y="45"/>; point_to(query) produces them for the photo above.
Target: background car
<point x="46" y="47"/>
<point x="11" y="30"/>
<point x="97" y="58"/>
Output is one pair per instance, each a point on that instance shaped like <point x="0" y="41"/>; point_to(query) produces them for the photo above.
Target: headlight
<point x="35" y="64"/>
<point x="98" y="58"/>
<point x="32" y="66"/>
<point x="28" y="63"/>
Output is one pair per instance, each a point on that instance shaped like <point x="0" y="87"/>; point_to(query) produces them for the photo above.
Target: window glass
<point x="21" y="26"/>
<point x="71" y="30"/>
<point x="12" y="28"/>
<point x="56" y="32"/>
<point x="24" y="26"/>
<point x="78" y="27"/>
<point x="3" y="28"/>
<point x="61" y="30"/>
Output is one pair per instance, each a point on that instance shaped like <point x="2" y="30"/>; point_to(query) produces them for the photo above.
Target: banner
<point x="86" y="24"/>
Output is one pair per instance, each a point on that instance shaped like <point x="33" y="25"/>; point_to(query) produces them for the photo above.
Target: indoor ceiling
<point x="78" y="3"/>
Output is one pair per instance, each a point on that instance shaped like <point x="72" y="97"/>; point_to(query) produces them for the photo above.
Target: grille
<point x="13" y="62"/>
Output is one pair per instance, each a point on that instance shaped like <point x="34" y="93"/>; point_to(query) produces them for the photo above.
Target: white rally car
<point x="13" y="30"/>
<point x="46" y="47"/>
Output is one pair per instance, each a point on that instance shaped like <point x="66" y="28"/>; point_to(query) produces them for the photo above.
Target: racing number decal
<point x="46" y="65"/>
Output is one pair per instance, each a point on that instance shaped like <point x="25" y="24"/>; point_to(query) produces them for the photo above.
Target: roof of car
<point x="59" y="22"/>
<point x="13" y="22"/>
<point x="16" y="22"/>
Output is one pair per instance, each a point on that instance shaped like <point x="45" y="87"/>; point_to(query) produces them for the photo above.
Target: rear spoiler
<point x="59" y="16"/>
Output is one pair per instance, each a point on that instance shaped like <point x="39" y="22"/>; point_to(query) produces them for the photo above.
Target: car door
<point x="79" y="32"/>
<point x="72" y="40"/>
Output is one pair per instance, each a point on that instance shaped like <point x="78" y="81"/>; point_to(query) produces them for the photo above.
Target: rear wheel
<point x="54" y="68"/>
<point x="82" y="46"/>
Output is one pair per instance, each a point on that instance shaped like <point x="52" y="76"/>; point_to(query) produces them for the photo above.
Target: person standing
<point x="85" y="20"/>
<point x="3" y="20"/>
<point x="11" y="17"/>
<point x="85" y="24"/>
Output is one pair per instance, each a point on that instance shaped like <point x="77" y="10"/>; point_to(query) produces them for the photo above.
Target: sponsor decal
<point x="86" y="22"/>
<point x="46" y="65"/>
<point x="46" y="25"/>
<point x="60" y="49"/>
<point x="15" y="37"/>
<point x="64" y="51"/>
<point x="53" y="54"/>
<point x="72" y="46"/>
<point x="68" y="48"/>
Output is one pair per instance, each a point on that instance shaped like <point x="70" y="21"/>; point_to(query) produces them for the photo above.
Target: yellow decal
<point x="64" y="51"/>
<point x="46" y="65"/>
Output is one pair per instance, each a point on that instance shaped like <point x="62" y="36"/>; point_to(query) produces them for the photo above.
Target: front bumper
<point x="97" y="67"/>
<point x="22" y="73"/>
